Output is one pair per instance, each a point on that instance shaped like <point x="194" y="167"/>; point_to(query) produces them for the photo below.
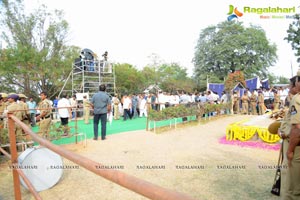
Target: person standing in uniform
<point x="245" y="101"/>
<point x="102" y="105"/>
<point x="116" y="102"/>
<point x="16" y="109"/>
<point x="86" y="109"/>
<point x="45" y="115"/>
<point x="26" y="117"/>
<point x="253" y="103"/>
<point x="276" y="101"/>
<point x="24" y="106"/>
<point x="235" y="103"/>
<point x="260" y="101"/>
<point x="283" y="132"/>
<point x="293" y="152"/>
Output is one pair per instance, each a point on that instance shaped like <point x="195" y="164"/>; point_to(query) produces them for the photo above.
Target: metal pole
<point x="14" y="155"/>
<point x="66" y="83"/>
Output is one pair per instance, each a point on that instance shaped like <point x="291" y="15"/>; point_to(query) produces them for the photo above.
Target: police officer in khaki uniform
<point x="245" y="101"/>
<point x="236" y="104"/>
<point x="253" y="103"/>
<point x="16" y="109"/>
<point x="45" y="115"/>
<point x="26" y="118"/>
<point x="283" y="133"/>
<point x="24" y="106"/>
<point x="276" y="100"/>
<point x="116" y="103"/>
<point x="261" y="104"/>
<point x="293" y="153"/>
<point x="86" y="109"/>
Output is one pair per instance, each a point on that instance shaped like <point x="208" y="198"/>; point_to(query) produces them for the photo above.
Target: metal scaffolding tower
<point x="87" y="75"/>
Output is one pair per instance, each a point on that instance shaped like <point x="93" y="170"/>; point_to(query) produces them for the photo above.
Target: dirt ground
<point x="224" y="172"/>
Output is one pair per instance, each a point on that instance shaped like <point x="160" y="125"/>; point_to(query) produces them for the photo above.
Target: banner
<point x="216" y="87"/>
<point x="252" y="84"/>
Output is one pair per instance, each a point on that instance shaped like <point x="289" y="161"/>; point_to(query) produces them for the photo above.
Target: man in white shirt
<point x="224" y="98"/>
<point x="64" y="111"/>
<point x="143" y="107"/>
<point x="161" y="100"/>
<point x="284" y="94"/>
<point x="127" y="104"/>
<point x="215" y="97"/>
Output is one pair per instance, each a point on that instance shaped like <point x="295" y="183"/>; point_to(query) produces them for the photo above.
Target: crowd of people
<point x="259" y="100"/>
<point x="130" y="106"/>
<point x="64" y="108"/>
<point x="25" y="110"/>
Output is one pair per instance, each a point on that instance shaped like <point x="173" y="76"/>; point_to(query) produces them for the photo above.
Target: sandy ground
<point x="195" y="145"/>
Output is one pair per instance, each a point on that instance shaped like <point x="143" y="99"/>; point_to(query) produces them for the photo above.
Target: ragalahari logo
<point x="233" y="13"/>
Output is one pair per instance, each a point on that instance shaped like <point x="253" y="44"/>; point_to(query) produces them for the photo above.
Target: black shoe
<point x="95" y="138"/>
<point x="103" y="138"/>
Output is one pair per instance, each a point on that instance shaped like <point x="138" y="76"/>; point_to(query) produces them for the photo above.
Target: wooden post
<point x="14" y="156"/>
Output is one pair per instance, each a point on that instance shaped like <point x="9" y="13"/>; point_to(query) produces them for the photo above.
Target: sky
<point x="132" y="30"/>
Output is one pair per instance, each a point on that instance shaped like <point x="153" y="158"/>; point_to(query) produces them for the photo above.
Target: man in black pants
<point x="64" y="112"/>
<point x="101" y="104"/>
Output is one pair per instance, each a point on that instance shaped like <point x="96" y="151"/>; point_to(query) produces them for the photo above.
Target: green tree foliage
<point x="277" y="79"/>
<point x="283" y="80"/>
<point x="150" y="75"/>
<point x="228" y="47"/>
<point x="128" y="79"/>
<point x="36" y="57"/>
<point x="169" y="77"/>
<point x="173" y="77"/>
<point x="294" y="35"/>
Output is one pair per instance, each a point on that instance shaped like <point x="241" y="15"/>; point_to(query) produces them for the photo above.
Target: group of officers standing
<point x="16" y="104"/>
<point x="255" y="102"/>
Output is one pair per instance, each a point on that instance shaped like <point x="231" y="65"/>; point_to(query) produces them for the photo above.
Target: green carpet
<point x="117" y="126"/>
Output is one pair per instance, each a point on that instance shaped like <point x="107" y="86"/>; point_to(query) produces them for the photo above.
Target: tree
<point x="36" y="57"/>
<point x="128" y="79"/>
<point x="277" y="79"/>
<point x="150" y="75"/>
<point x="169" y="77"/>
<point x="294" y="35"/>
<point x="228" y="47"/>
<point x="283" y="80"/>
<point x="173" y="77"/>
